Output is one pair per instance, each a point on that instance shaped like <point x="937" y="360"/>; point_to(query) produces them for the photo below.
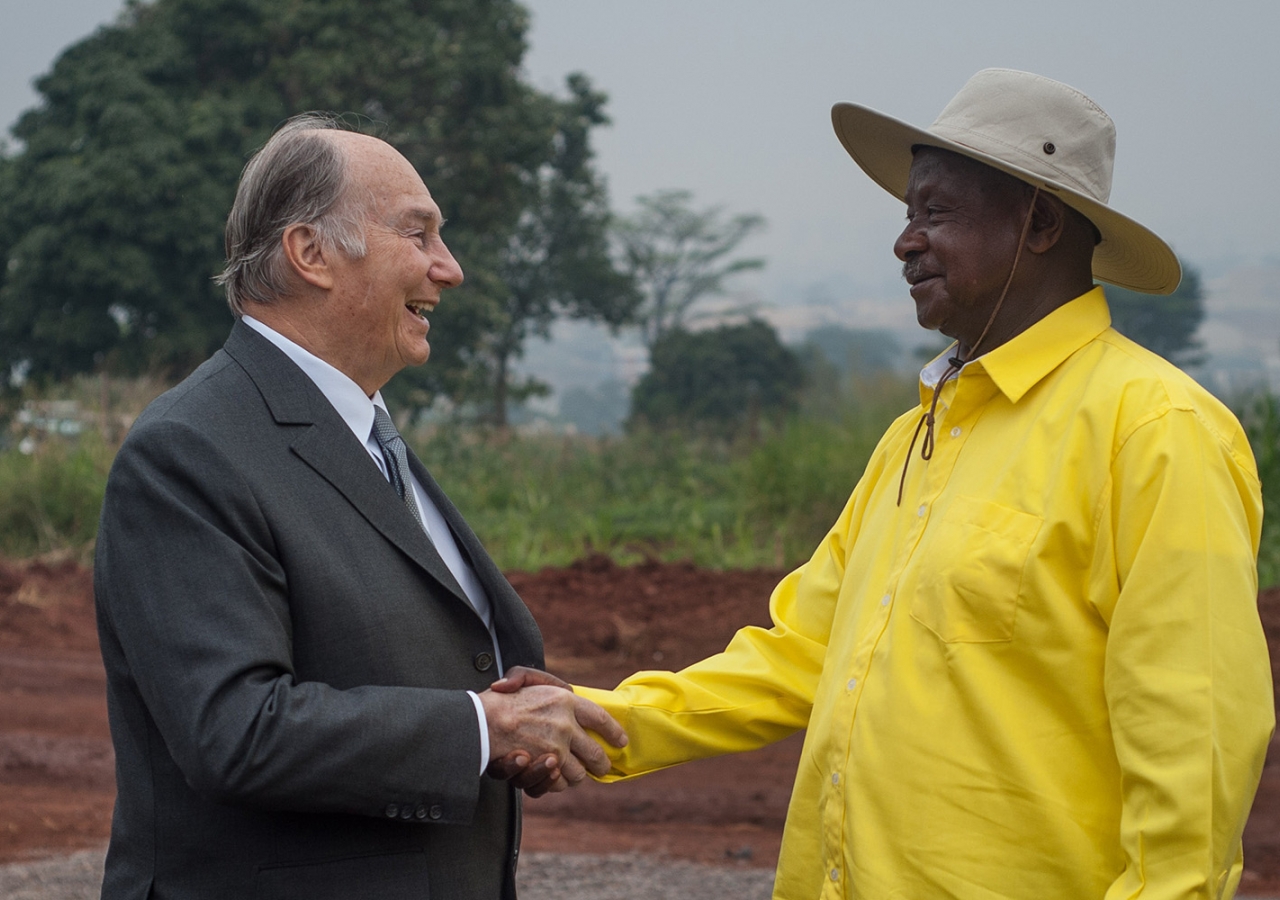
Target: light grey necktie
<point x="397" y="458"/>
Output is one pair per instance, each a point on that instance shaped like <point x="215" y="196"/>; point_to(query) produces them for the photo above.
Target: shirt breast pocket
<point x="972" y="571"/>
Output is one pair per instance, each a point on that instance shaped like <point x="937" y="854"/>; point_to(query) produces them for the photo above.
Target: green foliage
<point x="540" y="501"/>
<point x="51" y="499"/>
<point x="677" y="256"/>
<point x="720" y="380"/>
<point x="1164" y="324"/>
<point x="557" y="261"/>
<point x="798" y="479"/>
<point x="1261" y="419"/>
<point x="111" y="213"/>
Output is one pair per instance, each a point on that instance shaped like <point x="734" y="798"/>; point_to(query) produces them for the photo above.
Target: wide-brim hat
<point x="1038" y="130"/>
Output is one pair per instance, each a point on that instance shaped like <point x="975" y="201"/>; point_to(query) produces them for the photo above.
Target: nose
<point x="910" y="241"/>
<point x="445" y="270"/>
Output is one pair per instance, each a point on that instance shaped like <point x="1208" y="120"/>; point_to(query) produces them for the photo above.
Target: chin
<point x="420" y="357"/>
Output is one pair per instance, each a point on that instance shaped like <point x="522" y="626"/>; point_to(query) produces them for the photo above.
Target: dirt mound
<point x="47" y="605"/>
<point x="1262" y="833"/>
<point x="600" y="622"/>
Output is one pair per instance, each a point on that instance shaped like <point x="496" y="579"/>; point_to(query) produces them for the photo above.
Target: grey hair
<point x="299" y="177"/>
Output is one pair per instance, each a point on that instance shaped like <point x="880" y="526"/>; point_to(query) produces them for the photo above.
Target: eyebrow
<point x="424" y="215"/>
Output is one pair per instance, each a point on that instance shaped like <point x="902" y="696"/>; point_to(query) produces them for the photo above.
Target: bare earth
<point x="601" y="622"/>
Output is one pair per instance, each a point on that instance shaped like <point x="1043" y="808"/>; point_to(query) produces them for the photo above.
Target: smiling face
<point x="379" y="303"/>
<point x="964" y="220"/>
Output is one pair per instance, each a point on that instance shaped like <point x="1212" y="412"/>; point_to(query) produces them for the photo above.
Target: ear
<point x="1048" y="220"/>
<point x="306" y="256"/>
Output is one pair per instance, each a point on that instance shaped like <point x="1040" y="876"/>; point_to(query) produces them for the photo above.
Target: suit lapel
<point x="513" y="623"/>
<point x="329" y="447"/>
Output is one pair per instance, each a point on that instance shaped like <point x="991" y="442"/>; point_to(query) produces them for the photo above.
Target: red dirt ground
<point x="601" y="623"/>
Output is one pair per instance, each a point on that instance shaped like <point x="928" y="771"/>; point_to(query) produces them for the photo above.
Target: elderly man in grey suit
<point x="298" y="627"/>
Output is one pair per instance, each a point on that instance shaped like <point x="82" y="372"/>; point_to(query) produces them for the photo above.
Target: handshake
<point x="538" y="736"/>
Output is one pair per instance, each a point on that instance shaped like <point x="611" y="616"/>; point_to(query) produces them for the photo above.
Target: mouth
<point x="918" y="280"/>
<point x="420" y="308"/>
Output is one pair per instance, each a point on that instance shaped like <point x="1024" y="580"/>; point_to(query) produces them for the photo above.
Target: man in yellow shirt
<point x="1028" y="653"/>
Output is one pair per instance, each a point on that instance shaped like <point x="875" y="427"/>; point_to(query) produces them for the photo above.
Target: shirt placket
<point x="931" y="476"/>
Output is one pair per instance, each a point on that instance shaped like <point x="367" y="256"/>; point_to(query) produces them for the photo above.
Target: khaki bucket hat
<point x="1038" y="130"/>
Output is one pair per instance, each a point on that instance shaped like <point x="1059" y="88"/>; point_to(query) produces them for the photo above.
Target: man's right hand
<point x="538" y="732"/>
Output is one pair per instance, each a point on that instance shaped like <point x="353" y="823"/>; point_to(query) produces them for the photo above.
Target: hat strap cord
<point x="955" y="363"/>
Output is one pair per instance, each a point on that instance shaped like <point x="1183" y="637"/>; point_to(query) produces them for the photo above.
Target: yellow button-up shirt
<point x="1040" y="676"/>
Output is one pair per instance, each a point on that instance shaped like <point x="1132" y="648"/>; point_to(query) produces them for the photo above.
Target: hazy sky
<point x="731" y="99"/>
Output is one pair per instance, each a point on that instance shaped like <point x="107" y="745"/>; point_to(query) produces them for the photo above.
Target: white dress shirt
<point x="356" y="409"/>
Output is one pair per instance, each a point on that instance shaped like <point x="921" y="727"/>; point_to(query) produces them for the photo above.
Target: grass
<point x="1260" y="416"/>
<point x="50" y="500"/>
<point x="542" y="500"/>
<point x="539" y="501"/>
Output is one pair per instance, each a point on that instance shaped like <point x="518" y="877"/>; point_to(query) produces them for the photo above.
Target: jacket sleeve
<point x="1187" y="680"/>
<point x="758" y="690"/>
<point x="194" y="614"/>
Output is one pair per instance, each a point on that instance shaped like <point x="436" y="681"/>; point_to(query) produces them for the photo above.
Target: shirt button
<point x="835" y="777"/>
<point x="435" y="812"/>
<point x="392" y="810"/>
<point x="835" y="874"/>
<point x="483" y="661"/>
<point x="955" y="432"/>
<point x="884" y="601"/>
<point x="920" y="511"/>
<point x="853" y="683"/>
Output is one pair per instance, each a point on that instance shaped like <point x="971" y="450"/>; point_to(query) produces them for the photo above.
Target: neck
<point x="1024" y="307"/>
<point x="283" y="317"/>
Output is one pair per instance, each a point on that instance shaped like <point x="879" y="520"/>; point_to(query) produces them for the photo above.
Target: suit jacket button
<point x="435" y="812"/>
<point x="406" y="812"/>
<point x="420" y="812"/>
<point x="392" y="810"/>
<point x="483" y="661"/>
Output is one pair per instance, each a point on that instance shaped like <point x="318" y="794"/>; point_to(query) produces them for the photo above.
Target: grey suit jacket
<point x="287" y="658"/>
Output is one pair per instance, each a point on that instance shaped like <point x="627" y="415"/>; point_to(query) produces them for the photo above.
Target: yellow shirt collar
<point x="1018" y="364"/>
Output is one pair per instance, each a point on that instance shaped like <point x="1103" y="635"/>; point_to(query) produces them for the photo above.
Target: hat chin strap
<point x="956" y="363"/>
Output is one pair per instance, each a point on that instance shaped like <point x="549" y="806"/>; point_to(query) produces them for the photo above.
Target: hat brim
<point x="1129" y="254"/>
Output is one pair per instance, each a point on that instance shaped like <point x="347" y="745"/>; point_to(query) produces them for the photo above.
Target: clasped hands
<point x="538" y="732"/>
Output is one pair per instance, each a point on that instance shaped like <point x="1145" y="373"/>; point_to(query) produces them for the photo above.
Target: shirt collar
<point x="1018" y="364"/>
<point x="346" y="397"/>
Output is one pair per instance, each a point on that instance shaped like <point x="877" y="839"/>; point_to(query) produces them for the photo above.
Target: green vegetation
<point x="50" y="500"/>
<point x="720" y="381"/>
<point x="114" y="194"/>
<point x="1261" y="419"/>
<point x="547" y="500"/>
<point x="538" y="501"/>
<point x="677" y="256"/>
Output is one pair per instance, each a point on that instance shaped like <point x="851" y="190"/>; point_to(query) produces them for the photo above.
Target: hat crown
<point x="1037" y="124"/>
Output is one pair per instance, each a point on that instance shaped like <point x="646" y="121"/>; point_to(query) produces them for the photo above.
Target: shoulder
<point x="1148" y="389"/>
<point x="219" y="383"/>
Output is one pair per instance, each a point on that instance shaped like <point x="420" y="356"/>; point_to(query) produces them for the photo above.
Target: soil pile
<point x="601" y="623"/>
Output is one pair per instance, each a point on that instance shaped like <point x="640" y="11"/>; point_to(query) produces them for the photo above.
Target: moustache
<point x="912" y="270"/>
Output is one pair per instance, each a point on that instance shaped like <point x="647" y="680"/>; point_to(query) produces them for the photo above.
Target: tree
<point x="677" y="256"/>
<point x="557" y="261"/>
<point x="717" y="380"/>
<point x="113" y="207"/>
<point x="1163" y="324"/>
